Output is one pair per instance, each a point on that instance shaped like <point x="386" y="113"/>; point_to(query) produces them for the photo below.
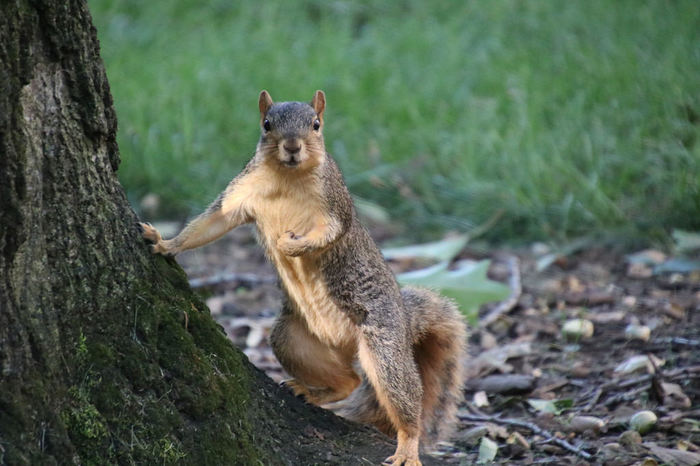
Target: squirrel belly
<point x="297" y="206"/>
<point x="350" y="338"/>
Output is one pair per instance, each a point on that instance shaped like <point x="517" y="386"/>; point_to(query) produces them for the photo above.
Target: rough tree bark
<point x="106" y="356"/>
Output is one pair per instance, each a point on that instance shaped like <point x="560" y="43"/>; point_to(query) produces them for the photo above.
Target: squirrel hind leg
<point x="387" y="361"/>
<point x="439" y="349"/>
<point x="320" y="373"/>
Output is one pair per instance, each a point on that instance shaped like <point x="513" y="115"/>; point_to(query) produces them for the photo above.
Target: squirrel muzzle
<point x="291" y="152"/>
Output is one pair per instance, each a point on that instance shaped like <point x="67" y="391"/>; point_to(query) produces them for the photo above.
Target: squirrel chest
<point x="296" y="205"/>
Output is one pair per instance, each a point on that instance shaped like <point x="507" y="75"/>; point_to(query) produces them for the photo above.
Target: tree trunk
<point x="106" y="355"/>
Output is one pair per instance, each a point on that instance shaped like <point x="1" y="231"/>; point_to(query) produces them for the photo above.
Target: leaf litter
<point x="643" y="356"/>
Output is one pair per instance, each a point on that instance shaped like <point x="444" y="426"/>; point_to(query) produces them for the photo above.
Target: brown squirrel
<point x="350" y="338"/>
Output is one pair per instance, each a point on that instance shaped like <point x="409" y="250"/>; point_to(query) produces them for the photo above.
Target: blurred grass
<point x="570" y="117"/>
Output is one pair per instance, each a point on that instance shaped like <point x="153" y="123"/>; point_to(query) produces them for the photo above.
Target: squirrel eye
<point x="317" y="124"/>
<point x="266" y="124"/>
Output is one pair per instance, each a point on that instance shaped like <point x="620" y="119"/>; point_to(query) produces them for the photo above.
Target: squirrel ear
<point x="264" y="102"/>
<point x="319" y="103"/>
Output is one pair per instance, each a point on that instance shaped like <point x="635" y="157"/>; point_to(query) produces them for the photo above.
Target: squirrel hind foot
<point x="298" y="389"/>
<point x="401" y="460"/>
<point x="406" y="453"/>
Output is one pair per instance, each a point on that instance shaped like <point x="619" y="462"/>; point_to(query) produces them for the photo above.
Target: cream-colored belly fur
<point x="311" y="299"/>
<point x="298" y="209"/>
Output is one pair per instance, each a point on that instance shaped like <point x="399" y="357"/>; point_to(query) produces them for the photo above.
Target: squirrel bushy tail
<point x="439" y="342"/>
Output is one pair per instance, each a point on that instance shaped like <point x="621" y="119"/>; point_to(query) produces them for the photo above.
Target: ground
<point x="591" y="385"/>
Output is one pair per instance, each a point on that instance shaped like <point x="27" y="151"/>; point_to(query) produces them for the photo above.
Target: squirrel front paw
<point x="291" y="245"/>
<point x="149" y="233"/>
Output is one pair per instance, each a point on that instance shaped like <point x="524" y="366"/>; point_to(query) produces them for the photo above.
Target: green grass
<point x="570" y="117"/>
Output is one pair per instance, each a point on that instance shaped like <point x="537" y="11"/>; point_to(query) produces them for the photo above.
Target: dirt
<point x="524" y="356"/>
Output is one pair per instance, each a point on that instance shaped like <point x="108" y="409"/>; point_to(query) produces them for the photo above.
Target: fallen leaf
<point x="371" y="211"/>
<point x="586" y="423"/>
<point x="472" y="436"/>
<point x="497" y="430"/>
<point x="678" y="265"/>
<point x="480" y="399"/>
<point x="686" y="445"/>
<point x="548" y="259"/>
<point x="495" y="359"/>
<point x="578" y="328"/>
<point x="555" y="407"/>
<point x="686" y="242"/>
<point x="647" y="257"/>
<point x="487" y="450"/>
<point x="487" y="340"/>
<point x="517" y="438"/>
<point x="674" y="396"/>
<point x="638" y="362"/>
<point x="673" y="456"/>
<point x="468" y="284"/>
<point x="443" y="250"/>
<point x="637" y="332"/>
<point x="255" y="336"/>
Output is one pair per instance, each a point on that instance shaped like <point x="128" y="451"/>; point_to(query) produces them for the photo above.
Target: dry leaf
<point x="586" y="423"/>
<point x="495" y="359"/>
<point x="639" y="362"/>
<point x="517" y="438"/>
<point x="472" y="436"/>
<point x="674" y="396"/>
<point x="637" y="332"/>
<point x="673" y="456"/>
<point x="487" y="450"/>
<point x="577" y="328"/>
<point x="480" y="399"/>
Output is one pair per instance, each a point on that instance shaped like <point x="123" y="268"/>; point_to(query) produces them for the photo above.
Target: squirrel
<point x="349" y="337"/>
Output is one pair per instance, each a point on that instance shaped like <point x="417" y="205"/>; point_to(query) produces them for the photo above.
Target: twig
<point x="245" y="279"/>
<point x="515" y="292"/>
<point x="676" y="341"/>
<point x="621" y="384"/>
<point x="682" y="371"/>
<point x="624" y="383"/>
<point x="626" y="396"/>
<point x="594" y="399"/>
<point x="527" y="425"/>
<point x="669" y="374"/>
<point x="552" y="386"/>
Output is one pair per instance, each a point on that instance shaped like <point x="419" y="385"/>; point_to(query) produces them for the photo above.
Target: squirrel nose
<point x="292" y="148"/>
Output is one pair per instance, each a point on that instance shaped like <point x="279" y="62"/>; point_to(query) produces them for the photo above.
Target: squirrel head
<point x="292" y="135"/>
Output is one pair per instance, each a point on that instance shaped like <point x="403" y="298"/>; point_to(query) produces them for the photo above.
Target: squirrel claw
<point x="401" y="460"/>
<point x="157" y="246"/>
<point x="298" y="390"/>
<point x="290" y="244"/>
<point x="149" y="233"/>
